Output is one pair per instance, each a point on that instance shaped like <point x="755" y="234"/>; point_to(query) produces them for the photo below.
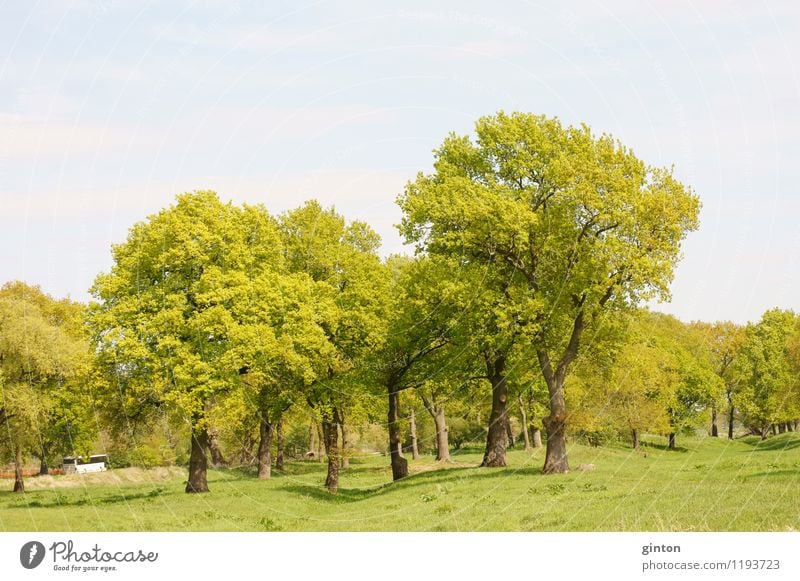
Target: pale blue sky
<point x="109" y="108"/>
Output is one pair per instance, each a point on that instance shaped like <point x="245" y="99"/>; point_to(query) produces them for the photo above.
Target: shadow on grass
<point x="295" y="468"/>
<point x="774" y="443"/>
<point x="34" y="499"/>
<point x="663" y="447"/>
<point x="787" y="473"/>
<point x="452" y="475"/>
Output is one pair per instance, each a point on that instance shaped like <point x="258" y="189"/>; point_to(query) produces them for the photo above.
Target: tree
<point x="40" y="352"/>
<point x="166" y="318"/>
<point x="576" y="222"/>
<point x="640" y="382"/>
<point x="493" y="327"/>
<point x="343" y="259"/>
<point x="531" y="397"/>
<point x="768" y="392"/>
<point x="281" y="348"/>
<point x="695" y="384"/>
<point x="422" y="315"/>
<point x="724" y="340"/>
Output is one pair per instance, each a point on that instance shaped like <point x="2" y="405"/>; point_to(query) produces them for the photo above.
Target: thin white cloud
<point x="29" y="137"/>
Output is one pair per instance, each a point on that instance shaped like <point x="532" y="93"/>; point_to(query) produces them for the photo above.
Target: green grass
<point x="708" y="485"/>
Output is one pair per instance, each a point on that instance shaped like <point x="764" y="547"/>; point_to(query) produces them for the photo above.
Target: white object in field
<point x="93" y="467"/>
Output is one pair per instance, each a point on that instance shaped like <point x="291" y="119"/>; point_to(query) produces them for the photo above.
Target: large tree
<point x="166" y="317"/>
<point x="342" y="259"/>
<point x="575" y="221"/>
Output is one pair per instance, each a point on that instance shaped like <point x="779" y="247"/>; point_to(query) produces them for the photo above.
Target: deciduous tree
<point x="165" y="317"/>
<point x="575" y="222"/>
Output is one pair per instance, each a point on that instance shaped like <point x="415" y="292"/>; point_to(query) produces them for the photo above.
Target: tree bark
<point x="714" y="430"/>
<point x="345" y="459"/>
<point x="496" y="438"/>
<point x="414" y="443"/>
<point x="265" y="450"/>
<point x="279" y="436"/>
<point x="555" y="461"/>
<point x="19" y="483"/>
<point x="399" y="464"/>
<point x="198" y="464"/>
<point x="320" y="443"/>
<point x="774" y="430"/>
<point x="330" y="433"/>
<point x="731" y="412"/>
<point x="635" y="438"/>
<point x="217" y="459"/>
<point x="442" y="436"/>
<point x="524" y="418"/>
<point x="312" y="445"/>
<point x="790" y="426"/>
<point x="537" y="438"/>
<point x="44" y="469"/>
<point x="781" y="428"/>
<point x="509" y="431"/>
<point x="671" y="445"/>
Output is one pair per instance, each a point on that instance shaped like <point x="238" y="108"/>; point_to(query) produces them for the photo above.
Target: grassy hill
<point x="708" y="485"/>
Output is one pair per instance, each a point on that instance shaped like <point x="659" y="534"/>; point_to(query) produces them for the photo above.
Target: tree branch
<point x="571" y="352"/>
<point x="547" y="368"/>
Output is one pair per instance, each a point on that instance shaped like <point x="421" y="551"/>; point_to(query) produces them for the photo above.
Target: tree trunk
<point x="635" y="438"/>
<point x="555" y="424"/>
<point x="19" y="483"/>
<point x="555" y="461"/>
<point x="265" y="450"/>
<point x="330" y="434"/>
<point x="320" y="443"/>
<point x="217" y="459"/>
<point x="345" y="457"/>
<point x="731" y="411"/>
<point x="524" y="418"/>
<point x="414" y="443"/>
<point x="279" y="436"/>
<point x="509" y="431"/>
<point x="312" y="444"/>
<point x="496" y="438"/>
<point x="671" y="445"/>
<point x="714" y="430"/>
<point x="442" y="436"/>
<point x="781" y="428"/>
<point x="244" y="454"/>
<point x="44" y="469"/>
<point x="790" y="426"/>
<point x="537" y="438"/>
<point x="399" y="464"/>
<point x="198" y="465"/>
<point x="774" y="430"/>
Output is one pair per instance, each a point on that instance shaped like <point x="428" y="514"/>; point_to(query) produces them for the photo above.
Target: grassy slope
<point x="713" y="485"/>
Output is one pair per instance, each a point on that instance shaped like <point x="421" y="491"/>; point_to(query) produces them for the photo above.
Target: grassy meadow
<point x="706" y="485"/>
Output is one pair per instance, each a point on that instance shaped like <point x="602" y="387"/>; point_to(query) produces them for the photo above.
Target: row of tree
<point x="535" y="243"/>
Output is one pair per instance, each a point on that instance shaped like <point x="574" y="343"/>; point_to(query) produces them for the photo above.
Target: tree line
<point x="535" y="246"/>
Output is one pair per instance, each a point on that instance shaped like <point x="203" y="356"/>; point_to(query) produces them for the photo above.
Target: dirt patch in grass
<point x="109" y="477"/>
